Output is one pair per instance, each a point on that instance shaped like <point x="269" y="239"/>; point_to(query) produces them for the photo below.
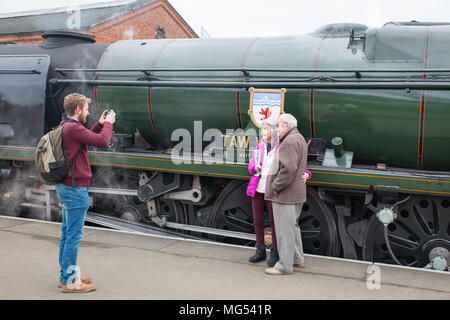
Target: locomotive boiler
<point x="371" y="101"/>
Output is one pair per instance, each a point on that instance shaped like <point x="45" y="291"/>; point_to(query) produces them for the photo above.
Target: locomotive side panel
<point x="435" y="106"/>
<point x="436" y="121"/>
<point x="22" y="97"/>
<point x="387" y="126"/>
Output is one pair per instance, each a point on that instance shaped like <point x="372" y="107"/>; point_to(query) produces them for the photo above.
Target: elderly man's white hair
<point x="289" y="119"/>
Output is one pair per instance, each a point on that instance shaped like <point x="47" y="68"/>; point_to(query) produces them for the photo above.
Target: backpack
<point x="51" y="158"/>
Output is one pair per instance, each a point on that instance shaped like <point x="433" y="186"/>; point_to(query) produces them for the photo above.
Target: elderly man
<point x="287" y="192"/>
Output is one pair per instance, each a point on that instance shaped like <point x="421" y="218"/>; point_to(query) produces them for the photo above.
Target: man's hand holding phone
<point x="108" y="115"/>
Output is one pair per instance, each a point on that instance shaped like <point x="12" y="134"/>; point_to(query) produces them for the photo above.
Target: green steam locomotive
<point x="372" y="102"/>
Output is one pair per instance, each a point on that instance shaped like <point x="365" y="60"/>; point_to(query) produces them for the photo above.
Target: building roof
<point x="60" y="18"/>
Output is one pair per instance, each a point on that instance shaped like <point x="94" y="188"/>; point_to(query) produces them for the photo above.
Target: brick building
<point x="105" y="22"/>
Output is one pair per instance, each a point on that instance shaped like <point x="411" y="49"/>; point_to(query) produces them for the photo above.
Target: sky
<point x="249" y="18"/>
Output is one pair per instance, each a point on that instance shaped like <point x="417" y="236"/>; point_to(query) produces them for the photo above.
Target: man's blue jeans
<point x="75" y="202"/>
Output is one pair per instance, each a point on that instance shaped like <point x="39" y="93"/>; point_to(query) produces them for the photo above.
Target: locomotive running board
<point x="120" y="224"/>
<point x="217" y="232"/>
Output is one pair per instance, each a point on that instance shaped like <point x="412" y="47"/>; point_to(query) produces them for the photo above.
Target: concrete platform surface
<point x="134" y="266"/>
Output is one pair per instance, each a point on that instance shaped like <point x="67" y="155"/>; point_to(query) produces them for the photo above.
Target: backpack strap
<point x="72" y="165"/>
<point x="72" y="162"/>
<point x="62" y="140"/>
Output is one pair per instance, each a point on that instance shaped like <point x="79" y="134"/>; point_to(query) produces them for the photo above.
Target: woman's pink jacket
<point x="253" y="184"/>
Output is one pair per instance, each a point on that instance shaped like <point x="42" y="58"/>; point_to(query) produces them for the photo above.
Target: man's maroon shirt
<point x="74" y="135"/>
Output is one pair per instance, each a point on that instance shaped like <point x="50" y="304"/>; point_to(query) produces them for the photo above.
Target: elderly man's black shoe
<point x="260" y="254"/>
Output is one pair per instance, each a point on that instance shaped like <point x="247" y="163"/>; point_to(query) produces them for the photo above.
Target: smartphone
<point x="106" y="113"/>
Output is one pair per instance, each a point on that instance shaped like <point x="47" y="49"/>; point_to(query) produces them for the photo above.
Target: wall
<point x="138" y="24"/>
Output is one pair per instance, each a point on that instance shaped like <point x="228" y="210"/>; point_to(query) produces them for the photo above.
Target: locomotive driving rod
<point x="430" y="84"/>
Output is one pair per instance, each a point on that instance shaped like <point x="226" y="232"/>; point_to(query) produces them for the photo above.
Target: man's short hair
<point x="289" y="119"/>
<point x="74" y="100"/>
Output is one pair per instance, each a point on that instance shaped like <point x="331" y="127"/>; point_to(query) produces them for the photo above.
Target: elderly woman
<point x="264" y="153"/>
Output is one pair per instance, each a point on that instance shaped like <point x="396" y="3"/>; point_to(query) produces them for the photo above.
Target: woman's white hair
<point x="289" y="119"/>
<point x="273" y="132"/>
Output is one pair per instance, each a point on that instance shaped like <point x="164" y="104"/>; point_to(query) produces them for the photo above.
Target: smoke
<point x="86" y="60"/>
<point x="20" y="194"/>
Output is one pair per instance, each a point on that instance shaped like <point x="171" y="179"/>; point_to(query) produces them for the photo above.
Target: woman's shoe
<point x="260" y="254"/>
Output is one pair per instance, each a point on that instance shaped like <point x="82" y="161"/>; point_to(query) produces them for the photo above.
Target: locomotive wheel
<point x="233" y="211"/>
<point x="131" y="213"/>
<point x="422" y="224"/>
<point x="318" y="227"/>
<point x="172" y="210"/>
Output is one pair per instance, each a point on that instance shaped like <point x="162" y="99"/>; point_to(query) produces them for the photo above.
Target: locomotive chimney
<point x="65" y="38"/>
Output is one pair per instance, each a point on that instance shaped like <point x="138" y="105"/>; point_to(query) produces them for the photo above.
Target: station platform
<point x="127" y="265"/>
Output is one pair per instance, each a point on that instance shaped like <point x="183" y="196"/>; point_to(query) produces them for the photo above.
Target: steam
<point x="85" y="61"/>
<point x="22" y="198"/>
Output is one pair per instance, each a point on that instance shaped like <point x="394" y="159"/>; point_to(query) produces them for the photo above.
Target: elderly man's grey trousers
<point x="289" y="240"/>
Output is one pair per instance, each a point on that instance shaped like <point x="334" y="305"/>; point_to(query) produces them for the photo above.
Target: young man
<point x="73" y="190"/>
<point x="287" y="191"/>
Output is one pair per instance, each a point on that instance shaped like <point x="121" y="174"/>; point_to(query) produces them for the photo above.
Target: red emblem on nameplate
<point x="266" y="113"/>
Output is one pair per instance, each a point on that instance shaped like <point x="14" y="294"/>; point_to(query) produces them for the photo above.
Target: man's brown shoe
<point x="78" y="287"/>
<point x="299" y="265"/>
<point x="85" y="280"/>
<point x="273" y="271"/>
